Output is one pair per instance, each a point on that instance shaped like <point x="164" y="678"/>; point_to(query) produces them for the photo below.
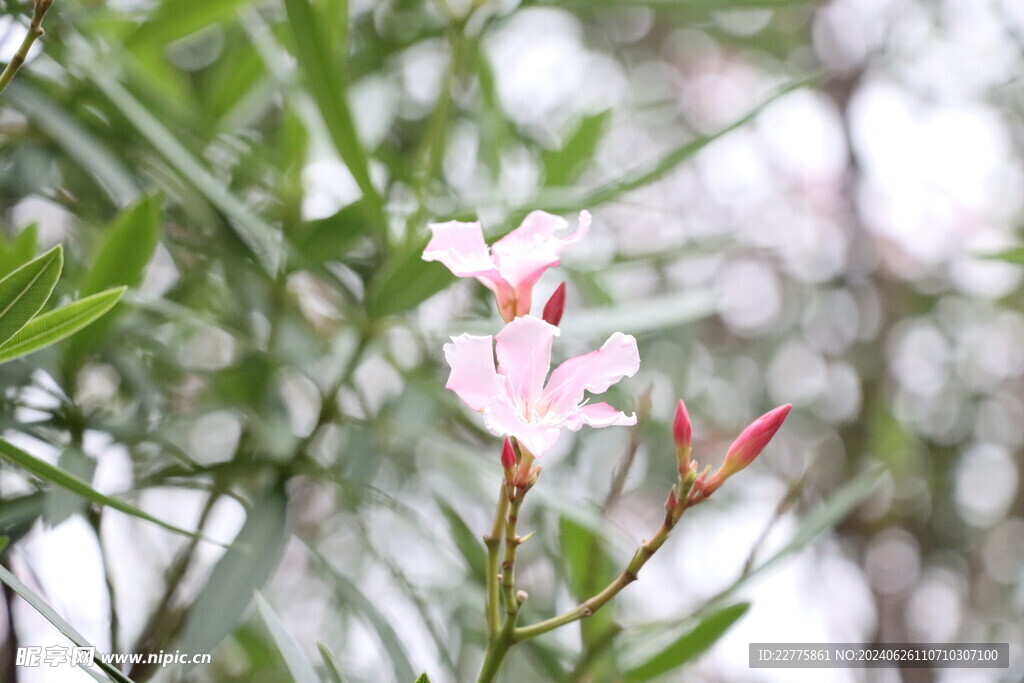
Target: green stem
<point x="35" y="29"/>
<point x="493" y="543"/>
<point x="591" y="605"/>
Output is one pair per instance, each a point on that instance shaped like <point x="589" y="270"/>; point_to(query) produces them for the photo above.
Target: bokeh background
<point x="793" y="202"/>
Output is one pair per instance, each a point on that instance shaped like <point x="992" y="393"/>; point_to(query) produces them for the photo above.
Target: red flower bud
<point x="682" y="432"/>
<point x="555" y="306"/>
<point x="508" y="455"/>
<point x="752" y="440"/>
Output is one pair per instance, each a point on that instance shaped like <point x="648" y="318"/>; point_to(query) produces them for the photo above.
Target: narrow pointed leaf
<point x="58" y="477"/>
<point x="49" y="328"/>
<point x="41" y="606"/>
<point x="24" y="292"/>
<point x="689" y="645"/>
<point x="299" y="666"/>
<point x="331" y="662"/>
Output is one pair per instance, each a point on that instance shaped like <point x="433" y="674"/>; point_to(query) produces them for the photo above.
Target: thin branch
<point x="35" y="29"/>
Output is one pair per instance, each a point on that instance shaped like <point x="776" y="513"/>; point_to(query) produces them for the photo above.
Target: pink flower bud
<point x="508" y="455"/>
<point x="672" y="502"/>
<point x="752" y="440"/>
<point x="682" y="432"/>
<point x="555" y="306"/>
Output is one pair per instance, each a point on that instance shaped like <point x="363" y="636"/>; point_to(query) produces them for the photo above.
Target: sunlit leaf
<point x="18" y="251"/>
<point x="49" y="328"/>
<point x="24" y="292"/>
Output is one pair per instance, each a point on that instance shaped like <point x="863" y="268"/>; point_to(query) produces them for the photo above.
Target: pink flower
<point x="513" y="265"/>
<point x="516" y="401"/>
<point x="747" y="446"/>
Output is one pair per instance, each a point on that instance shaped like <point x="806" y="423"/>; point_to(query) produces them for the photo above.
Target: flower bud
<point x="672" y="502"/>
<point x="682" y="432"/>
<point x="751" y="441"/>
<point x="555" y="306"/>
<point x="508" y="455"/>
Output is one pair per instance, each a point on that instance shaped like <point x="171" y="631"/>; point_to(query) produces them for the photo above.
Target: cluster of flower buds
<point x="694" y="487"/>
<point x="520" y="474"/>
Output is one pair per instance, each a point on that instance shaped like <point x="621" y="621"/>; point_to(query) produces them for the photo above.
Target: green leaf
<point x="79" y="144"/>
<point x="330" y="238"/>
<point x="17" y="515"/>
<point x="51" y="615"/>
<point x="423" y="678"/>
<point x="127" y="247"/>
<point x="466" y="541"/>
<point x="24" y="292"/>
<point x="49" y="328"/>
<point x="244" y="568"/>
<point x="564" y="166"/>
<point x="263" y="240"/>
<point x="590" y="568"/>
<point x="4" y="542"/>
<point x="18" y="251"/>
<point x="1012" y="255"/>
<point x="351" y="596"/>
<point x="299" y="666"/>
<point x="404" y="281"/>
<point x="58" y="477"/>
<point x="321" y="64"/>
<point x="331" y="662"/>
<point x="689" y="645"/>
<point x="175" y="19"/>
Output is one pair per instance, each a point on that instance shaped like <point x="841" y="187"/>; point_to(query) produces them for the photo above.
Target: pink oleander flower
<point x="513" y="265"/>
<point x="516" y="401"/>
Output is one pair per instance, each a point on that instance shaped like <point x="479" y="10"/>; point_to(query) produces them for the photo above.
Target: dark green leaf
<point x="49" y="328"/>
<point x="17" y="515"/>
<point x="245" y="567"/>
<point x="24" y="292"/>
<point x="58" y="477"/>
<point x="330" y="238"/>
<point x="298" y="664"/>
<point x="690" y="645"/>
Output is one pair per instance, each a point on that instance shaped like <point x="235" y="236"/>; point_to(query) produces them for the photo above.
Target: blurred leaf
<point x="405" y="281"/>
<point x="322" y="68"/>
<point x="331" y="662"/>
<point x="58" y="477"/>
<point x="590" y="568"/>
<point x="24" y="292"/>
<point x="564" y="166"/>
<point x="1012" y="255"/>
<point x="17" y="515"/>
<point x="245" y="567"/>
<point x="260" y="237"/>
<point x="352" y="597"/>
<point x="51" y="616"/>
<point x="468" y="543"/>
<point x="49" y="328"/>
<point x="330" y="238"/>
<point x="673" y="159"/>
<point x="18" y="251"/>
<point x="120" y="260"/>
<point x="644" y="315"/>
<point x="61" y="504"/>
<point x="299" y="666"/>
<point x="175" y="19"/>
<point x="81" y="145"/>
<point x="704" y="635"/>
<point x="423" y="678"/>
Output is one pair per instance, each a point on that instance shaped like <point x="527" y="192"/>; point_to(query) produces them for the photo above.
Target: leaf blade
<point x="298" y="664"/>
<point x="24" y="292"/>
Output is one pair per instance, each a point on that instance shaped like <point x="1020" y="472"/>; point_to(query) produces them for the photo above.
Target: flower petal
<point x="459" y="246"/>
<point x="599" y="415"/>
<point x="473" y="377"/>
<point x="501" y="419"/>
<point x="524" y="254"/>
<point x="594" y="372"/>
<point x="523" y="348"/>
